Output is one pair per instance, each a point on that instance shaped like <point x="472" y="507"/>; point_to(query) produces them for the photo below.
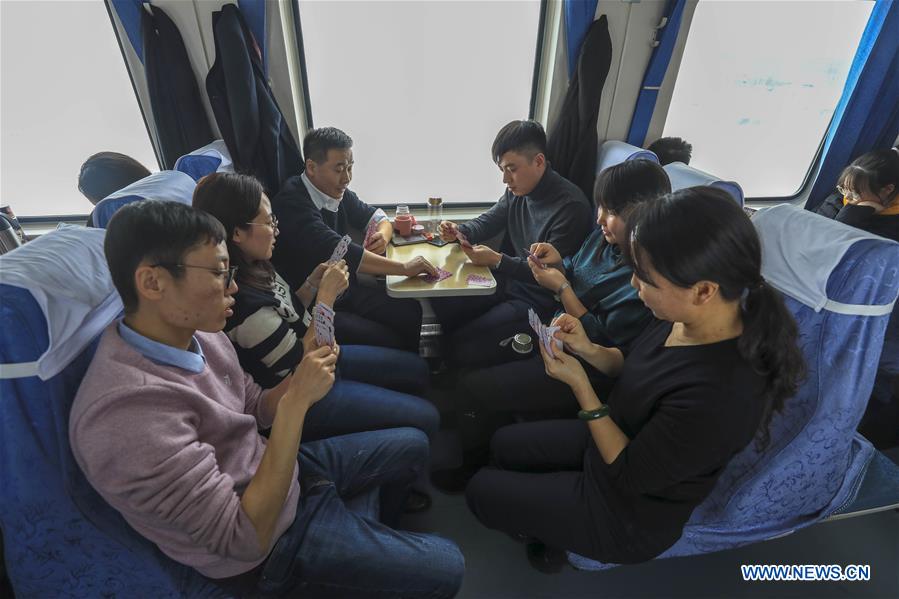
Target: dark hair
<point x="318" y="141"/>
<point x="234" y="200"/>
<point x="156" y="231"/>
<point x="671" y="149"/>
<point x="872" y="172"/>
<point x="524" y="137"/>
<point x="701" y="234"/>
<point x="621" y="186"/>
<point x="105" y="173"/>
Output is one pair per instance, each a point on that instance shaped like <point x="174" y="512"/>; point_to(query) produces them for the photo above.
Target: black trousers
<point x="368" y="316"/>
<point x="488" y="398"/>
<point x="538" y="487"/>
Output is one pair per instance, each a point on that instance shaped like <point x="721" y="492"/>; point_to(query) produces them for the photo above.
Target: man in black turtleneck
<point x="539" y="205"/>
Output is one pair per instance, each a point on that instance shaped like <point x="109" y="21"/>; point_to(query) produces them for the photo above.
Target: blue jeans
<point x="384" y="367"/>
<point x="331" y="550"/>
<point x="363" y="398"/>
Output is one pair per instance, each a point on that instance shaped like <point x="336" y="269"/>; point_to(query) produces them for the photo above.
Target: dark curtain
<point x="572" y="144"/>
<point x="181" y="122"/>
<point x="252" y="125"/>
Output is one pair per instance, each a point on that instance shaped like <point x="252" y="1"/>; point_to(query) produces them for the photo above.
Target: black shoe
<point x="545" y="559"/>
<point x="416" y="501"/>
<point x="453" y="480"/>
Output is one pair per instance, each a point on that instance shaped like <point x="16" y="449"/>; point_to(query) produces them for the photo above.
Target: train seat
<point x="841" y="285"/>
<point x="164" y="185"/>
<point x="60" y="536"/>
<point x="614" y="152"/>
<point x="683" y="176"/>
<point x="211" y="158"/>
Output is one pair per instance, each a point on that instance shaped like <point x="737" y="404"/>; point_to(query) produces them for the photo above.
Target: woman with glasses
<point x="868" y="194"/>
<point x="271" y="326"/>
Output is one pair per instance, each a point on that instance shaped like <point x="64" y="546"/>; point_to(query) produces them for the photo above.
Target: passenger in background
<point x="315" y="210"/>
<point x="269" y="324"/>
<point x="618" y="484"/>
<point x="867" y="194"/>
<point x="105" y="173"/>
<point x="671" y="149"/>
<point x="594" y="286"/>
<point x="539" y="206"/>
<point x="165" y="428"/>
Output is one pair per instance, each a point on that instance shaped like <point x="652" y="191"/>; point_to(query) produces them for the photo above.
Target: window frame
<point x="532" y="104"/>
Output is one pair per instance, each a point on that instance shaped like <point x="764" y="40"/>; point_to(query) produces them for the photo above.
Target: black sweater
<point x="686" y="410"/>
<point x="555" y="212"/>
<point x="309" y="235"/>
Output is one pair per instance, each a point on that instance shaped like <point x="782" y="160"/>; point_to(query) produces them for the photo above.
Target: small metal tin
<point x="521" y="343"/>
<point x="418" y="229"/>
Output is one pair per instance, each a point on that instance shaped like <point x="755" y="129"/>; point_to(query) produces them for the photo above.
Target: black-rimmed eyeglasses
<point x="226" y="273"/>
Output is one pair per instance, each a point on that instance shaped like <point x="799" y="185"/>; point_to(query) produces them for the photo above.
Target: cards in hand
<point x="545" y="333"/>
<point x="534" y="257"/>
<point x="462" y="239"/>
<point x="323" y="321"/>
<point x="340" y="250"/>
<point x="441" y="275"/>
<point x="370" y="230"/>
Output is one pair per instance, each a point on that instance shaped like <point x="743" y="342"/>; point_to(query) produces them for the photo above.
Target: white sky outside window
<point x="65" y="95"/>
<point x="422" y="88"/>
<point x="758" y="85"/>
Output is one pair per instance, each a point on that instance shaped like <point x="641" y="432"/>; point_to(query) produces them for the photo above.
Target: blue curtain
<point x="578" y="17"/>
<point x="129" y="14"/>
<point x="867" y="116"/>
<point x="655" y="73"/>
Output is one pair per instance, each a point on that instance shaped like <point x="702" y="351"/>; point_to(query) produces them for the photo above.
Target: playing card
<point x="545" y="334"/>
<point x="340" y="249"/>
<point x="441" y="275"/>
<point x="533" y="257"/>
<point x="369" y="231"/>
<point x="323" y="321"/>
<point x="462" y="239"/>
<point x="479" y="281"/>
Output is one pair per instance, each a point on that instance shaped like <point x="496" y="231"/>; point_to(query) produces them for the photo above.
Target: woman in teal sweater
<point x="595" y="286"/>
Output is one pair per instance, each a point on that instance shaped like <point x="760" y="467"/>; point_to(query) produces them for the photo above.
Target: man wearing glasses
<point x="165" y="427"/>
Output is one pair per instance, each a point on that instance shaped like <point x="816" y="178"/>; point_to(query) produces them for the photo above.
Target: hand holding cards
<point x="534" y="258"/>
<point x="340" y="249"/>
<point x="462" y="239"/>
<point x="545" y="334"/>
<point x="323" y="321"/>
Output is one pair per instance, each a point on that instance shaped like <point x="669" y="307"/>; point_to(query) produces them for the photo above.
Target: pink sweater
<point x="173" y="451"/>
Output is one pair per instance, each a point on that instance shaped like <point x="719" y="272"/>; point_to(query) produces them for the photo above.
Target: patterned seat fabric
<point x="60" y="537"/>
<point x="815" y="462"/>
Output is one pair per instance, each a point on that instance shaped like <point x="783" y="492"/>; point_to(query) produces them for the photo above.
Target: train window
<point x="758" y="85"/>
<point x="422" y="88"/>
<point x="61" y="105"/>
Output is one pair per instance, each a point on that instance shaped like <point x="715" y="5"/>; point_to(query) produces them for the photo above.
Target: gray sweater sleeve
<point x="490" y="223"/>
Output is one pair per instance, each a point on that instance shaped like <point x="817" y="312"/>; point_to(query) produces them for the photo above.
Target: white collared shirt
<point x="324" y="201"/>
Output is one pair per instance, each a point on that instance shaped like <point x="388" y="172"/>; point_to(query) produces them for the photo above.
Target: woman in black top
<point x="868" y="194"/>
<point x="619" y="484"/>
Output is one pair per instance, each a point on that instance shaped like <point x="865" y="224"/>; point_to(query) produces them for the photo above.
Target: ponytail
<point x="701" y="234"/>
<point x="769" y="344"/>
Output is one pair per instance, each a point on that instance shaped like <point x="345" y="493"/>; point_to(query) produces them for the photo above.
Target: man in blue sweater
<point x="314" y="211"/>
<point x="539" y="205"/>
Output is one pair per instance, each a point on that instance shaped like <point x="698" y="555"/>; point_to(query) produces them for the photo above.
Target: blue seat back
<point x="683" y="176"/>
<point x="60" y="537"/>
<point x="211" y="158"/>
<point x="164" y="185"/>
<point x="840" y="285"/>
<point x="614" y="152"/>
